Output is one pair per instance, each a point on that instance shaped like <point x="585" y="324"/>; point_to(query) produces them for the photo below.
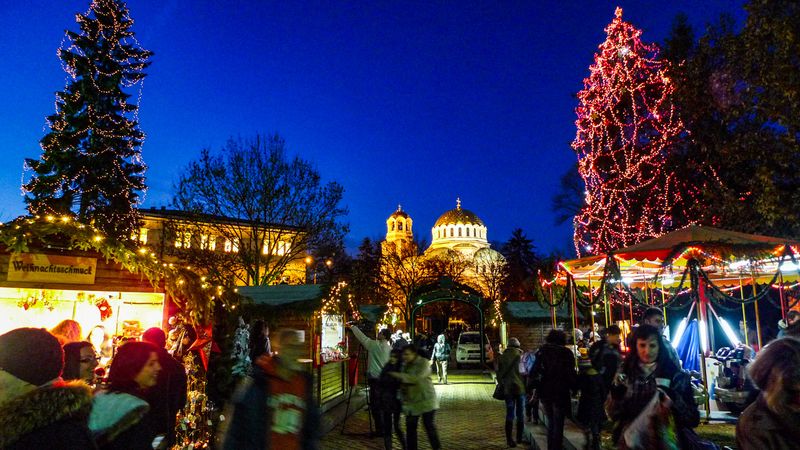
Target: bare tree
<point x="263" y="208"/>
<point x="403" y="271"/>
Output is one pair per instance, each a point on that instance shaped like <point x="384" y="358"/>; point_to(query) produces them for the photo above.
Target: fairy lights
<point x="625" y="126"/>
<point x="91" y="156"/>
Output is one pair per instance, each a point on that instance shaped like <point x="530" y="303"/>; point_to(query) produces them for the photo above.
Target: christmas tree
<point x="91" y="161"/>
<point x="626" y="129"/>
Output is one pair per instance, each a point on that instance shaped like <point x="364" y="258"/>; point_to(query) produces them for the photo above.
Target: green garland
<point x="190" y="290"/>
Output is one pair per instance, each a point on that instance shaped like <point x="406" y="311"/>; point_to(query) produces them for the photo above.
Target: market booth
<point x="308" y="308"/>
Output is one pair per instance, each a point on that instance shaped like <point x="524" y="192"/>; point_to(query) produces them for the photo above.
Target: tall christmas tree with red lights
<point x="626" y="129"/>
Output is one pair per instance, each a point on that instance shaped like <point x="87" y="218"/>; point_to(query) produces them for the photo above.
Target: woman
<point x="389" y="400"/>
<point x="67" y="331"/>
<point x="771" y="422"/>
<point x="259" y="341"/>
<point x="119" y="418"/>
<point x="80" y="361"/>
<point x="419" y="397"/>
<point x="648" y="371"/>
<point x="514" y="389"/>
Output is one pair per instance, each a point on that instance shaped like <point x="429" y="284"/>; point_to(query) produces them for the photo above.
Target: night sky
<point x="402" y="102"/>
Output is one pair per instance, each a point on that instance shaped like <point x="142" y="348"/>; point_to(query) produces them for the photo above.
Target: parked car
<point x="468" y="348"/>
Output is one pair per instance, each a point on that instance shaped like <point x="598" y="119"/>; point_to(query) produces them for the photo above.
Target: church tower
<point x="399" y="227"/>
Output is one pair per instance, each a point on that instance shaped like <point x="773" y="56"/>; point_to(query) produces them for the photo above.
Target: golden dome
<point x="399" y="213"/>
<point x="459" y="215"/>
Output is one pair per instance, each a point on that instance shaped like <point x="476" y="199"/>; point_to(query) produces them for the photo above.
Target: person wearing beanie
<point x="37" y="408"/>
<point x="168" y="396"/>
<point x="509" y="376"/>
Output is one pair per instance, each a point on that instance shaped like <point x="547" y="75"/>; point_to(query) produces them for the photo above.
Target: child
<point x="388" y="401"/>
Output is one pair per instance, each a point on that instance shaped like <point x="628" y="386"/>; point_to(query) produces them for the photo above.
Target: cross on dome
<point x="458" y="203"/>
<point x="399" y="208"/>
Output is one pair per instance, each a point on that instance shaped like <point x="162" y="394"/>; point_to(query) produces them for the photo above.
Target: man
<point x="398" y="341"/>
<point x="275" y="408"/>
<point x="37" y="409"/>
<point x="790" y="327"/>
<point x="555" y="370"/>
<point x="377" y="356"/>
<point x="440" y="357"/>
<point x="655" y="318"/>
<point x="168" y="396"/>
<point x="605" y="355"/>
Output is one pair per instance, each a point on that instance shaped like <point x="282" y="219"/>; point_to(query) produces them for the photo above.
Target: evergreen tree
<point x="91" y="160"/>
<point x="626" y="128"/>
<point x="521" y="262"/>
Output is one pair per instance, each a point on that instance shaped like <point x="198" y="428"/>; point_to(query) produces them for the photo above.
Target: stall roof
<point x="282" y="294"/>
<point x="535" y="311"/>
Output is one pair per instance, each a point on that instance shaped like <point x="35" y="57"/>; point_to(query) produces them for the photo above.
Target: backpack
<point x="526" y="362"/>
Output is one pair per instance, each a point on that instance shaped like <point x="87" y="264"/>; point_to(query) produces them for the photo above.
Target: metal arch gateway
<point x="446" y="290"/>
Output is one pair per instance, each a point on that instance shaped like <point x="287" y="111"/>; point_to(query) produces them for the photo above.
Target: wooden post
<point x="758" y="317"/>
<point x="744" y="315"/>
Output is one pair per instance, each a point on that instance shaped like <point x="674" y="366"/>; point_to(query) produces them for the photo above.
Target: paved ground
<point x="469" y="418"/>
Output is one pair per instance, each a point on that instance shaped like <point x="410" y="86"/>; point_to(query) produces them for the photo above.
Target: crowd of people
<point x="52" y="394"/>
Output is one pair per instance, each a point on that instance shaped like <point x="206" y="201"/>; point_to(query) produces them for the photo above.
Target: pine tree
<point x="626" y="127"/>
<point x="91" y="161"/>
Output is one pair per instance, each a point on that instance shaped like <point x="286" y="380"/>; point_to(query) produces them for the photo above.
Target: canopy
<point x="728" y="257"/>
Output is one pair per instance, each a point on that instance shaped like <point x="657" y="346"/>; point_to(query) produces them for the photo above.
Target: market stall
<point x="320" y="316"/>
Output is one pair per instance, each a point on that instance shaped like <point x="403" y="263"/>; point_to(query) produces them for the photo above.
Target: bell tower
<point x="399" y="227"/>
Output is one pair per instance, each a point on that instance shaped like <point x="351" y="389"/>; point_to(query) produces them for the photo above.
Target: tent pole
<point x="780" y="294"/>
<point x="744" y="316"/>
<point x="552" y="308"/>
<point x="758" y="317"/>
<point x="574" y="321"/>
<point x="591" y="307"/>
<point x="700" y="313"/>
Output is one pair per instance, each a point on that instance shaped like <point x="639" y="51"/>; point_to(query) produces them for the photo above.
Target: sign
<point x="39" y="268"/>
<point x="333" y="346"/>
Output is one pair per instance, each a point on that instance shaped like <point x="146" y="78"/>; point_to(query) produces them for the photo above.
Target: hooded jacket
<point x="555" y="370"/>
<point x="120" y="421"/>
<point x="418" y="393"/>
<point x="53" y="416"/>
<point x="251" y="418"/>
<point x="441" y="351"/>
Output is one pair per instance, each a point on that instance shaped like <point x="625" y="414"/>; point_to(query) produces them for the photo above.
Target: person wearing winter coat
<point x="419" y="397"/>
<point x="37" y="409"/>
<point x="168" y="396"/>
<point x="121" y="418"/>
<point x="377" y="355"/>
<point x="649" y="371"/>
<point x="388" y="400"/>
<point x="771" y="422"/>
<point x="275" y="408"/>
<point x="513" y="388"/>
<point x="440" y="357"/>
<point x="555" y="371"/>
<point x="590" y="407"/>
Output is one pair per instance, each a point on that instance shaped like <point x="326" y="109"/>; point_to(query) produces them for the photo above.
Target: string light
<point x="625" y="126"/>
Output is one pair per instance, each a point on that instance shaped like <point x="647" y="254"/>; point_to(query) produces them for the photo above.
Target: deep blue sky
<point x="401" y="102"/>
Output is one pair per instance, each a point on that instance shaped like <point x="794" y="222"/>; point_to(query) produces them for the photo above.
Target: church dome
<point x="458" y="215"/>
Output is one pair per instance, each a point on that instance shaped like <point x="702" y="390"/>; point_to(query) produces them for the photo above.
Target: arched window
<point x="459" y="231"/>
<point x="400" y="226"/>
<point x="393" y="225"/>
<point x="452" y="232"/>
<point x="467" y="232"/>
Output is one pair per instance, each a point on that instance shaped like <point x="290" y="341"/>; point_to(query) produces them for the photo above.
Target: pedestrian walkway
<point x="468" y="418"/>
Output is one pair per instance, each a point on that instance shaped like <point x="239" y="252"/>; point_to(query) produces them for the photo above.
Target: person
<point x="771" y="422"/>
<point x="80" y="360"/>
<point x="168" y="396"/>
<point x="101" y="342"/>
<point x="590" y="405"/>
<point x="398" y="341"/>
<point x="555" y="370"/>
<point x="389" y="401"/>
<point x="509" y="376"/>
<point x="259" y="340"/>
<point x="119" y="418"/>
<point x="377" y="356"/>
<point x="67" y="331"/>
<point x="791" y="326"/>
<point x="37" y="409"/>
<point x="646" y="372"/>
<point x="440" y="357"/>
<point x="531" y="400"/>
<point x="424" y="344"/>
<point x="274" y="408"/>
<point x="419" y="397"/>
<point x="605" y="356"/>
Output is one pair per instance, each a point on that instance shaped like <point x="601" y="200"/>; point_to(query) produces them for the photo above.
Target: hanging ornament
<point x="104" y="307"/>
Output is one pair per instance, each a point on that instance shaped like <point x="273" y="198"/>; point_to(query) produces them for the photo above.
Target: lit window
<point x="459" y="231"/>
<point x="281" y="248"/>
<point x="452" y="232"/>
<point x="467" y="232"/>
<point x="208" y="242"/>
<point x="140" y="236"/>
<point x="399" y="226"/>
<point x="231" y="246"/>
<point x="183" y="239"/>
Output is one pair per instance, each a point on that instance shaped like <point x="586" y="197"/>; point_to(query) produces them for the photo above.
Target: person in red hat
<point x="38" y="409"/>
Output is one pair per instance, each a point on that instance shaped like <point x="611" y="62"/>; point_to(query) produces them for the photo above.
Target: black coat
<point x="49" y="418"/>
<point x="555" y="371"/>
<point x="388" y="388"/>
<point x="593" y="397"/>
<point x="168" y="396"/>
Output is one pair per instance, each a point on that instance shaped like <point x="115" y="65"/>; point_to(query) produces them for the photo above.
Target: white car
<point x="468" y="348"/>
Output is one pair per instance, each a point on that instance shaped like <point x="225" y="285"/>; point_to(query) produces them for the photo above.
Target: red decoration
<point x="626" y="126"/>
<point x="204" y="344"/>
<point x="105" y="309"/>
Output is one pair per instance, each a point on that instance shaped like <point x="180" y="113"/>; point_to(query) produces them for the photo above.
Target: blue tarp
<point x="689" y="347"/>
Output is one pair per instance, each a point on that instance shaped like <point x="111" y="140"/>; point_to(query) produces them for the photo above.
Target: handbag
<point x="499" y="391"/>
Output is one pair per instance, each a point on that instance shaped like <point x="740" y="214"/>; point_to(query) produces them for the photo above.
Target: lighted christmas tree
<point x="91" y="161"/>
<point x="626" y="128"/>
